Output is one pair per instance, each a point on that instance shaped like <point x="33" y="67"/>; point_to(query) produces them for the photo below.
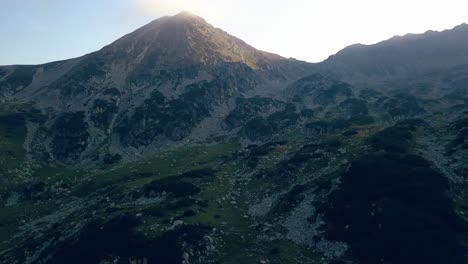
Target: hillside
<point x="179" y="143"/>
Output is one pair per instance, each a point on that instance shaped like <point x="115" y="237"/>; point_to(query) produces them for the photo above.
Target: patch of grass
<point x="10" y="217"/>
<point x="284" y="251"/>
<point x="134" y="175"/>
<point x="51" y="175"/>
<point x="12" y="153"/>
<point x="172" y="185"/>
<point x="12" y="136"/>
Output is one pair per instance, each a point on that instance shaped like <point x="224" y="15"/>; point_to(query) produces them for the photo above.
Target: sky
<point x="40" y="31"/>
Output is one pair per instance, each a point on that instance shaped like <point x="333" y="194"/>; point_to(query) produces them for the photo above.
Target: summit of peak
<point x="185" y="17"/>
<point x="462" y="26"/>
<point x="187" y="39"/>
<point x="185" y="14"/>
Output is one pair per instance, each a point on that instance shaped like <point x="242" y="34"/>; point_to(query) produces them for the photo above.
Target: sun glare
<point x="313" y="30"/>
<point x="170" y="7"/>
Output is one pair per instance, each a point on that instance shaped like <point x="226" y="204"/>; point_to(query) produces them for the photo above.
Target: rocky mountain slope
<point x="431" y="65"/>
<point x="183" y="69"/>
<point x="179" y="143"/>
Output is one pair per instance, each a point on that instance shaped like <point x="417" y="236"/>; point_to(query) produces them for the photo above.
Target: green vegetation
<point x="100" y="241"/>
<point x="204" y="150"/>
<point x="397" y="138"/>
<point x="395" y="208"/>
<point x="329" y="96"/>
<point x="260" y="128"/>
<point x="392" y="206"/>
<point x="12" y="136"/>
<point x="401" y="105"/>
<point x="333" y="126"/>
<point x="71" y="136"/>
<point x="247" y="109"/>
<point x="173" y="119"/>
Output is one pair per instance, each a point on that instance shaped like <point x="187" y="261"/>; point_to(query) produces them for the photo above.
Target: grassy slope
<point x="235" y="238"/>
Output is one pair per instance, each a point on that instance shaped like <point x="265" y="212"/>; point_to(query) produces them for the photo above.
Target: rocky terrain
<point x="180" y="143"/>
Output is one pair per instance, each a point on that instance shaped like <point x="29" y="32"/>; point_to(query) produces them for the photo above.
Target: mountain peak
<point x="187" y="39"/>
<point x="462" y="26"/>
<point x="185" y="14"/>
<point x="184" y="17"/>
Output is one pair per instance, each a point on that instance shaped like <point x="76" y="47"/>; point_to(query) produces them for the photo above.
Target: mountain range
<point x="179" y="143"/>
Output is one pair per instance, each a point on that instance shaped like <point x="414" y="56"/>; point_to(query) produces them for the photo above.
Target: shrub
<point x="172" y="185"/>
<point x="349" y="133"/>
<point x="199" y="173"/>
<point x="274" y="251"/>
<point x="99" y="241"/>
<point x="392" y="139"/>
<point x="395" y="208"/>
<point x="189" y="213"/>
<point x="203" y="203"/>
<point x="156" y="210"/>
<point x="328" y="126"/>
<point x="291" y="199"/>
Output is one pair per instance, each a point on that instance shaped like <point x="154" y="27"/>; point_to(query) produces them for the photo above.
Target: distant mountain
<point x="432" y="64"/>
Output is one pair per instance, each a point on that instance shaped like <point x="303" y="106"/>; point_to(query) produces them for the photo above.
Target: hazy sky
<point x="38" y="31"/>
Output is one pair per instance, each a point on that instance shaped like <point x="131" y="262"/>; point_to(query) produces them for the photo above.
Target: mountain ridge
<point x="399" y="57"/>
